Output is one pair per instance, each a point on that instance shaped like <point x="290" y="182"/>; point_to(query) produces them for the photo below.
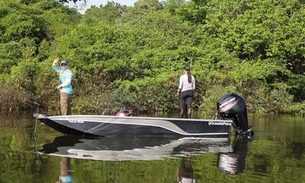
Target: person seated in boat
<point x="186" y="91"/>
<point x="185" y="170"/>
<point x="124" y="112"/>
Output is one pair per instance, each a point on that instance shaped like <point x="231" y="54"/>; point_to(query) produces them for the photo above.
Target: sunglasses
<point x="63" y="64"/>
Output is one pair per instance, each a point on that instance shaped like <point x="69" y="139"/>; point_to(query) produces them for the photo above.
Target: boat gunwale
<point x="135" y="117"/>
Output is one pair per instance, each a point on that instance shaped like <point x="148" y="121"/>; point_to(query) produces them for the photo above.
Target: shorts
<point x="186" y="98"/>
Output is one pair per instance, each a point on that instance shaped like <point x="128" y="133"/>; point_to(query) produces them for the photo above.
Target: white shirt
<point x="184" y="85"/>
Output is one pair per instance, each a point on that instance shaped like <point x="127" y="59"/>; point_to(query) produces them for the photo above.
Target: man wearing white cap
<point x="65" y="86"/>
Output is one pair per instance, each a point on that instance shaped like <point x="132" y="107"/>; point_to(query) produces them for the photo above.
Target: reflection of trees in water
<point x="65" y="171"/>
<point x="185" y="170"/>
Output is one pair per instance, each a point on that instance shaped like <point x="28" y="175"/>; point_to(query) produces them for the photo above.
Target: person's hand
<point x="58" y="87"/>
<point x="56" y="60"/>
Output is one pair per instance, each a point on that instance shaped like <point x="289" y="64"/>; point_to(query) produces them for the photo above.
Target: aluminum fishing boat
<point x="231" y="112"/>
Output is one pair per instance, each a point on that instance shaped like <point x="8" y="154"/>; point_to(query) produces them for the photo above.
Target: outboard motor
<point x="232" y="106"/>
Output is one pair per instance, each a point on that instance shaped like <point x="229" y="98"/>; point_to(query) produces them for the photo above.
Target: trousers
<point x="65" y="103"/>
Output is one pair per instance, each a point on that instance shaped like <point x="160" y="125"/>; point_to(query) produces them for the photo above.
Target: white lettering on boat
<point x="79" y="155"/>
<point x="220" y="123"/>
<point x="75" y="121"/>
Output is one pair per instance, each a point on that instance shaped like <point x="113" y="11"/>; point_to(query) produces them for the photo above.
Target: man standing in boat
<point x="65" y="86"/>
<point x="186" y="92"/>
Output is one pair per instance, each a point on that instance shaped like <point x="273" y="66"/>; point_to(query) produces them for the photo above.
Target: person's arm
<point x="194" y="83"/>
<point x="180" y="86"/>
<point x="67" y="81"/>
<point x="54" y="65"/>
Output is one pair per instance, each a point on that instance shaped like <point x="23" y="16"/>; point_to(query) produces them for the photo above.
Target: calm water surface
<point x="276" y="153"/>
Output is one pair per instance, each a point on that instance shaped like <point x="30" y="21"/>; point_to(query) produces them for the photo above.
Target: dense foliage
<point x="133" y="56"/>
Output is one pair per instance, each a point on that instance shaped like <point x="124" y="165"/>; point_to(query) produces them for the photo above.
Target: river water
<point x="276" y="153"/>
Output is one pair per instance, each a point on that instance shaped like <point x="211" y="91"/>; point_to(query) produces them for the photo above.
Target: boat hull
<point x="99" y="125"/>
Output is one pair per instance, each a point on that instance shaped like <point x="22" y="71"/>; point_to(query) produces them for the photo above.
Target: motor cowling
<point x="233" y="106"/>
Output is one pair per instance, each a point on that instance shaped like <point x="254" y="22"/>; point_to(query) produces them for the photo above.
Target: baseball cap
<point x="63" y="62"/>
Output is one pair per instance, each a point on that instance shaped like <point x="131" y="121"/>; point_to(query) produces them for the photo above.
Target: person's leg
<point x="189" y="161"/>
<point x="182" y="105"/>
<point x="189" y="113"/>
<point x="64" y="103"/>
<point x="182" y="162"/>
<point x="185" y="110"/>
<point x="181" y="113"/>
<point x="189" y="106"/>
<point x="69" y="105"/>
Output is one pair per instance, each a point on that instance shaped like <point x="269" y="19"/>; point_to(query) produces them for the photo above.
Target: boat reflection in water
<point x="132" y="148"/>
<point x="231" y="157"/>
<point x="234" y="162"/>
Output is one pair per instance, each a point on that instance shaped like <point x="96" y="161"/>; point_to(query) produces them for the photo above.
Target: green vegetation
<point x="133" y="56"/>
